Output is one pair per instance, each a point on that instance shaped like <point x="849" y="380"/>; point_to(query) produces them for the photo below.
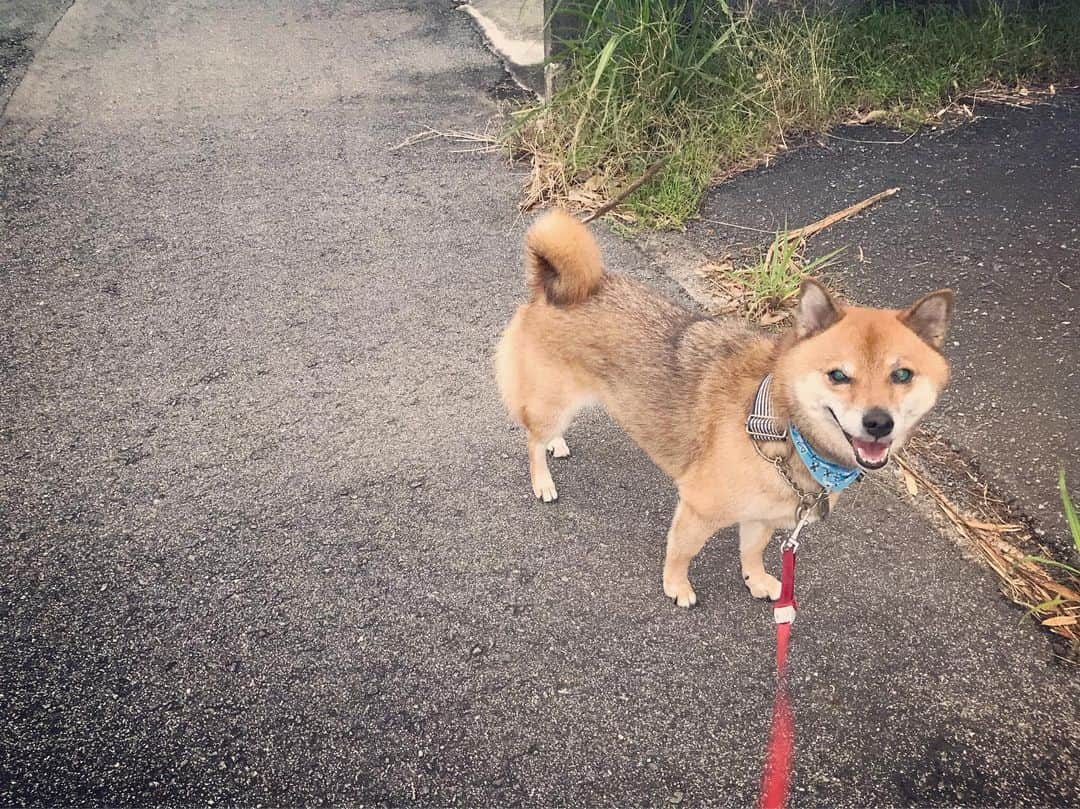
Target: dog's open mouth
<point x="868" y="454"/>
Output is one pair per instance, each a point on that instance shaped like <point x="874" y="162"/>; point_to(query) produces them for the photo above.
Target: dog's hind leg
<point x="545" y="423"/>
<point x="558" y="448"/>
<point x="543" y="485"/>
<point x="543" y="396"/>
<point x="753" y="537"/>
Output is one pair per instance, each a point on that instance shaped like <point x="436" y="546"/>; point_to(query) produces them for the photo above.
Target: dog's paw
<point x="680" y="592"/>
<point x="762" y="585"/>
<point x="558" y="448"/>
<point x="544" y="488"/>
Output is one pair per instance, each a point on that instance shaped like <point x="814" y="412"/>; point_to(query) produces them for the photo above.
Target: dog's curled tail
<point x="562" y="259"/>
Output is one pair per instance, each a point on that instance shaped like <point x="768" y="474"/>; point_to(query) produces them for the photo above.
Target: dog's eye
<point x="902" y="376"/>
<point x="838" y="377"/>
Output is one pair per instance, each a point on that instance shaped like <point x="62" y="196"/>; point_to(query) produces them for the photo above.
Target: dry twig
<point x="455" y="135"/>
<point x="830" y="220"/>
<point x="617" y="200"/>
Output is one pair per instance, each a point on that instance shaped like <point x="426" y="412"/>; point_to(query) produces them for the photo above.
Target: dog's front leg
<point x="753" y="537"/>
<point x="688" y="534"/>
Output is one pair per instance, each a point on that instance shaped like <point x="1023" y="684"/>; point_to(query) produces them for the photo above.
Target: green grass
<point x="711" y="91"/>
<point x="1073" y="521"/>
<point x="1062" y="611"/>
<point x="772" y="283"/>
<point x="1070" y="516"/>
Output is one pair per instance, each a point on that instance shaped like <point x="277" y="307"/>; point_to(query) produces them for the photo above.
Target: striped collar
<point x="764" y="425"/>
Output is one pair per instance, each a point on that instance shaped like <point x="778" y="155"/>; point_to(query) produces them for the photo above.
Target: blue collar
<point x="831" y="476"/>
<point x="763" y="424"/>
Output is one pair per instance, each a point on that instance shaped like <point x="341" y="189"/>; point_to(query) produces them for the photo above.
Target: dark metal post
<point x="562" y="22"/>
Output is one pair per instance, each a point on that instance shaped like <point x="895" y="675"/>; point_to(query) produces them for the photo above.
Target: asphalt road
<point x="268" y="536"/>
<point x="24" y="25"/>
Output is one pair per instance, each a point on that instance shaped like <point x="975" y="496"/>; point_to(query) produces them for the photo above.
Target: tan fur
<point x="681" y="385"/>
<point x="562" y="260"/>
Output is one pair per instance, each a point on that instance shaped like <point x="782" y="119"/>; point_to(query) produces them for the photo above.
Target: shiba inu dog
<point x="750" y="426"/>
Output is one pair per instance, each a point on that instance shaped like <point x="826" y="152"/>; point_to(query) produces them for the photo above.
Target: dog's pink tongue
<point x="870" y="451"/>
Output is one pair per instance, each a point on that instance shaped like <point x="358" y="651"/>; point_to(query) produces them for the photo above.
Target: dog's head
<point x="857" y="381"/>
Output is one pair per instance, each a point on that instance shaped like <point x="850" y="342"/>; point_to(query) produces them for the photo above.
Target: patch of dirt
<point x="945" y="483"/>
<point x="14" y="53"/>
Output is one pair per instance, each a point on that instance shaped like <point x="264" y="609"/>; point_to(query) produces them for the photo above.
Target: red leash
<point x="776" y="782"/>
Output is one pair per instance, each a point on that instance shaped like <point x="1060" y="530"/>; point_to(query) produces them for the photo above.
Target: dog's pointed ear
<point x="816" y="310"/>
<point x="929" y="316"/>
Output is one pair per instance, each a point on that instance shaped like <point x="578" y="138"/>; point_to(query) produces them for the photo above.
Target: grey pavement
<point x="24" y="25"/>
<point x="268" y="535"/>
<point x="991" y="209"/>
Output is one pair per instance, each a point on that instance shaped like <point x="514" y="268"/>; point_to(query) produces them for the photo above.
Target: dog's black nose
<point x="877" y="422"/>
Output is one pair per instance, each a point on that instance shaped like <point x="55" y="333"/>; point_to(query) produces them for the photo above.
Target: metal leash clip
<point x="808" y="506"/>
<point x="792" y="542"/>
